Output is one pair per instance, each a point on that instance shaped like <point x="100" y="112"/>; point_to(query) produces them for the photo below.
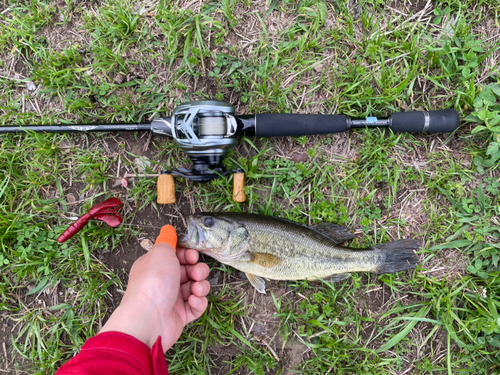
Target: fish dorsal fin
<point x="334" y="232"/>
<point x="257" y="282"/>
<point x="264" y="260"/>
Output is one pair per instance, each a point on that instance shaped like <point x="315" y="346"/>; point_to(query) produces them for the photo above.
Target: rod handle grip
<point x="238" y="188"/>
<point x="288" y="124"/>
<point x="166" y="189"/>
<point x="442" y="121"/>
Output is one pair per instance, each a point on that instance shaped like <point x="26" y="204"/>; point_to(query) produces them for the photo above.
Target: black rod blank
<point x="74" y="128"/>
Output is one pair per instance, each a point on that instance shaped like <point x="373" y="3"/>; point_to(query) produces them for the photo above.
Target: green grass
<point x="116" y="62"/>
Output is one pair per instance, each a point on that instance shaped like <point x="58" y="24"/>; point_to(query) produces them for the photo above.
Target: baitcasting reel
<point x="207" y="129"/>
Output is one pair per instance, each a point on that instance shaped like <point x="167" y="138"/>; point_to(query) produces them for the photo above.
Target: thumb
<point x="167" y="235"/>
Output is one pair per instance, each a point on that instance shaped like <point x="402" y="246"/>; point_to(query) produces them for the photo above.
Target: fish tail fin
<point x="397" y="255"/>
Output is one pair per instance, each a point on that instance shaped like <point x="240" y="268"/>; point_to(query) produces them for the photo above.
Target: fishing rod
<point x="205" y="130"/>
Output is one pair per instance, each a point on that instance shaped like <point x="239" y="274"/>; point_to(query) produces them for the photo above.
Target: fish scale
<point x="303" y="255"/>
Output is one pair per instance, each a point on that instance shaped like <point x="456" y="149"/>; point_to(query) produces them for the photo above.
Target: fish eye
<point x="209" y="222"/>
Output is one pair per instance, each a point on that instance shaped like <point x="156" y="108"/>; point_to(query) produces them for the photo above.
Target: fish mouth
<point x="194" y="238"/>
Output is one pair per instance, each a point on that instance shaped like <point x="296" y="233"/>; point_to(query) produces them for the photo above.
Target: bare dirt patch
<point x="409" y="6"/>
<point x="7" y="355"/>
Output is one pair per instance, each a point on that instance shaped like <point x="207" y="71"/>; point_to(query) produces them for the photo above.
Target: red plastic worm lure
<point x="106" y="211"/>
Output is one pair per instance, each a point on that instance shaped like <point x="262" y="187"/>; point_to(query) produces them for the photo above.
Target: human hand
<point x="166" y="291"/>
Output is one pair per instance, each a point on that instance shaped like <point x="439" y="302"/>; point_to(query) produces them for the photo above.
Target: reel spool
<point x="205" y="130"/>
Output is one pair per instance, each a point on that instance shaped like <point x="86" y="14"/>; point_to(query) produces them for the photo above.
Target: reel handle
<point x="166" y="187"/>
<point x="238" y="188"/>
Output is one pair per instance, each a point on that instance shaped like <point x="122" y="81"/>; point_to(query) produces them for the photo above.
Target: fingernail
<point x="197" y="301"/>
<point x="204" y="273"/>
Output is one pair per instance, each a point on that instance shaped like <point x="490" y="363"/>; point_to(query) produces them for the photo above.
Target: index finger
<point x="187" y="256"/>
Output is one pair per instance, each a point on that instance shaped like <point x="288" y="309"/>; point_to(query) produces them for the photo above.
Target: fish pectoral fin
<point x="264" y="260"/>
<point x="257" y="282"/>
<point x="337" y="277"/>
<point x="336" y="233"/>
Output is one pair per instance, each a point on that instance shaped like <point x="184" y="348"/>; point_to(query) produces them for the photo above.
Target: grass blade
<point x="4" y="185"/>
<point x="448" y="355"/>
<point x="401" y="335"/>
<point x="453" y="244"/>
<point x="44" y="281"/>
<point x="86" y="252"/>
<point x="61" y="306"/>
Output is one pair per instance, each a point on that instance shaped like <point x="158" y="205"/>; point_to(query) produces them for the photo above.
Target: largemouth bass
<point x="278" y="249"/>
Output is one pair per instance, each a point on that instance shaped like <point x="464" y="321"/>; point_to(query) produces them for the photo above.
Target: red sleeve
<point x="116" y="353"/>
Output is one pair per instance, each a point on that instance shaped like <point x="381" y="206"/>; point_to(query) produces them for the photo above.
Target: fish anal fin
<point x="337" y="277"/>
<point x="334" y="232"/>
<point x="264" y="260"/>
<point x="257" y="282"/>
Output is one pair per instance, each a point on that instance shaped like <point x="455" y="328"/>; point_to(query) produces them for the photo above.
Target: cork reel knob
<point x="166" y="189"/>
<point x="238" y="188"/>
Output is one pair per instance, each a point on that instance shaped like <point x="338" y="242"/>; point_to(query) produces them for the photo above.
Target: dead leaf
<point x="124" y="182"/>
<point x="319" y="67"/>
<point x="142" y="163"/>
<point x="146" y="244"/>
<point x="119" y="78"/>
<point x="300" y="158"/>
<point x="70" y="198"/>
